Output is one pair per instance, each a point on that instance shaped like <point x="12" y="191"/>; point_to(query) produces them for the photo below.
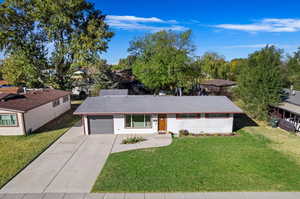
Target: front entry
<point x="162" y="123"/>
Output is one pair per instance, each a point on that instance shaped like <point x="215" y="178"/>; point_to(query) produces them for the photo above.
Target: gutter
<point x="111" y="113"/>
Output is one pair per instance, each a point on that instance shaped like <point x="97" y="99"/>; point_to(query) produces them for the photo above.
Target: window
<point x="8" y="120"/>
<point x="65" y="99"/>
<point x="55" y="103"/>
<point x="217" y="115"/>
<point x="138" y="121"/>
<point x="188" y="116"/>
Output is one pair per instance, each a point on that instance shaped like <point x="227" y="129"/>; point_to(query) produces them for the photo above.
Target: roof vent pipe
<point x="24" y="90"/>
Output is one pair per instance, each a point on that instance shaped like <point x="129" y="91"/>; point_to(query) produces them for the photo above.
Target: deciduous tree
<point x="163" y="59"/>
<point x="293" y="69"/>
<point x="260" y="81"/>
<point x="74" y="31"/>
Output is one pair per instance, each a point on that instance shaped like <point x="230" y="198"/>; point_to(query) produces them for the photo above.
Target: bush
<point x="133" y="140"/>
<point x="183" y="132"/>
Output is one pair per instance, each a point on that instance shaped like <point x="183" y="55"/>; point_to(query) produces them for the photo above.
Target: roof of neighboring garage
<point x="30" y="100"/>
<point x="156" y="104"/>
<point x="104" y="92"/>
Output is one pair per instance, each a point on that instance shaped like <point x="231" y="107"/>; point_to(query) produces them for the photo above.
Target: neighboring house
<point x="5" y="87"/>
<point x="104" y="92"/>
<point x="21" y="114"/>
<point x="217" y="87"/>
<point x="289" y="108"/>
<point x="133" y="114"/>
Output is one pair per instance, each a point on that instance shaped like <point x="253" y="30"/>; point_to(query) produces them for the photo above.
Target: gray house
<point x="289" y="108"/>
<point x="127" y="114"/>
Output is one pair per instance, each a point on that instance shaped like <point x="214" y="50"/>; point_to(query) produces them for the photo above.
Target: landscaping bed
<point x="190" y="164"/>
<point x="18" y="151"/>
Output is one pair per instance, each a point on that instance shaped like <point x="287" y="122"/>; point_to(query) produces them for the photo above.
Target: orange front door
<point x="162" y="122"/>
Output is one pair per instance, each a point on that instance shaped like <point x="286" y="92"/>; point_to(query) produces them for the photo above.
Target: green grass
<point x="283" y="141"/>
<point x="240" y="163"/>
<point x="17" y="151"/>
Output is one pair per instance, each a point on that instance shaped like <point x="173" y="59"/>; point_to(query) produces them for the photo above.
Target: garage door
<point x="101" y="124"/>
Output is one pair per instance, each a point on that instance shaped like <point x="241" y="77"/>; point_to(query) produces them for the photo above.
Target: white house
<point x="21" y="114"/>
<point x="127" y="114"/>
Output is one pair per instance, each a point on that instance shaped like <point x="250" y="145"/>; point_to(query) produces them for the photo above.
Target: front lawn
<point x="17" y="151"/>
<point x="283" y="141"/>
<point x="241" y="163"/>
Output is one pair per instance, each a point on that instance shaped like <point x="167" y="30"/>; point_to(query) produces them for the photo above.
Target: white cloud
<point x="153" y="24"/>
<point x="134" y="19"/>
<point x="266" y="25"/>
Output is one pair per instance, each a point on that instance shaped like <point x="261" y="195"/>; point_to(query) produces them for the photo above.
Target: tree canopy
<point x="163" y="59"/>
<point x="260" y="81"/>
<point x="74" y="32"/>
<point x="214" y="66"/>
<point x="293" y="69"/>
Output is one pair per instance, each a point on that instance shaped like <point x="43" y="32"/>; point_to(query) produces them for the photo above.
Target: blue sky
<point x="232" y="28"/>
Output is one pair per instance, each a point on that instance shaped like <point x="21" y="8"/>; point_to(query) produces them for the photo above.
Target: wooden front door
<point x="162" y="122"/>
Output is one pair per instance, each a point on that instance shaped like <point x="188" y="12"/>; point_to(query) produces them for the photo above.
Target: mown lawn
<point x="241" y="163"/>
<point x="283" y="141"/>
<point x="17" y="151"/>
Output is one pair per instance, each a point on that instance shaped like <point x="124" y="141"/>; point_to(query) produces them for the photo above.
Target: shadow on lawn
<point x="66" y="120"/>
<point x="242" y="120"/>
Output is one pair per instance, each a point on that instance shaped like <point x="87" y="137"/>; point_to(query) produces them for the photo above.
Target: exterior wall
<point x="119" y="126"/>
<point x="41" y="115"/>
<point x="18" y="130"/>
<point x="174" y="125"/>
<point x="200" y="125"/>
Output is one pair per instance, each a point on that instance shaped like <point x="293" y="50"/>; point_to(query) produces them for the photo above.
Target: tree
<point x="235" y="66"/>
<point x="260" y="82"/>
<point x="163" y="59"/>
<point x="21" y="43"/>
<point x="214" y="66"/>
<point x="1" y="68"/>
<point x="125" y="63"/>
<point x="18" y="70"/>
<point x="103" y="77"/>
<point x="293" y="69"/>
<point x="75" y="30"/>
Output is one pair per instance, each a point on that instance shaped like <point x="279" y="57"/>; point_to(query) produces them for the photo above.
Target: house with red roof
<point x="23" y="113"/>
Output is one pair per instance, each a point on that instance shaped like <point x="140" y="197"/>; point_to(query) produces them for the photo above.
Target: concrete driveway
<point x="70" y="165"/>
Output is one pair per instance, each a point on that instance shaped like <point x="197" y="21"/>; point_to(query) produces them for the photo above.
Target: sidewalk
<point x="193" y="195"/>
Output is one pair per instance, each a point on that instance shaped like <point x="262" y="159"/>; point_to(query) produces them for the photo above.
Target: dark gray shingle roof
<point x="157" y="104"/>
<point x="104" y="92"/>
<point x="293" y="98"/>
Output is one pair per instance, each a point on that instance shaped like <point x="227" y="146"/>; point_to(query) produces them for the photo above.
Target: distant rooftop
<point x="156" y="104"/>
<point x="104" y="92"/>
<point x="3" y="82"/>
<point x="218" y="82"/>
<point x="293" y="98"/>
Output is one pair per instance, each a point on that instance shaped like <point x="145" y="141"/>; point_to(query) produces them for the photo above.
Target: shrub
<point x="183" y="132"/>
<point x="133" y="140"/>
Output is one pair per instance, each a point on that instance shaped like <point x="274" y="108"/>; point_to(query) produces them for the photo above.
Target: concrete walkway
<point x="70" y="165"/>
<point x="193" y="195"/>
<point x="152" y="140"/>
